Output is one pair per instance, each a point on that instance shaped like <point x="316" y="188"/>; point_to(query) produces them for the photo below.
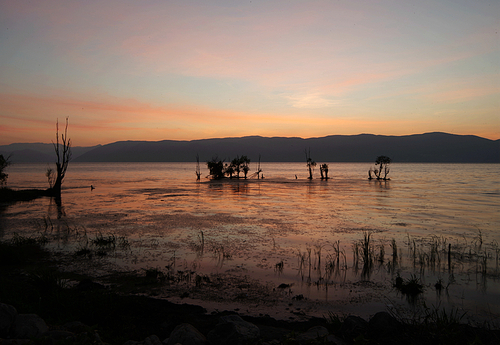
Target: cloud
<point x="311" y="101"/>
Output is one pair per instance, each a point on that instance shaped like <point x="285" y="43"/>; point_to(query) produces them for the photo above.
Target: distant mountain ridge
<point x="37" y="152"/>
<point x="426" y="148"/>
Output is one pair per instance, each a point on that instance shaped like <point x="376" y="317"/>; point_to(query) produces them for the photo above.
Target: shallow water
<point x="286" y="228"/>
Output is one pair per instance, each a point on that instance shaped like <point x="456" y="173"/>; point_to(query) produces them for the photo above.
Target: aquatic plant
<point x="279" y="267"/>
<point x="355" y="255"/>
<point x="221" y="253"/>
<point x="394" y="248"/>
<point x="439" y="318"/>
<point x="411" y="287"/>
<point x="332" y="265"/>
<point x="104" y="241"/>
<point x="381" y="254"/>
<point x="123" y="243"/>
<point x="20" y="240"/>
<point x="367" y="255"/>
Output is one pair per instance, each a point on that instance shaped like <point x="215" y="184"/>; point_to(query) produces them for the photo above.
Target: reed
<point x="279" y="266"/>
<point x="355" y="255"/>
<point x="104" y="241"/>
<point x="394" y="248"/>
<point x="381" y="254"/>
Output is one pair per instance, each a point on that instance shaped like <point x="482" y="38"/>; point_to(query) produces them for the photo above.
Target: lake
<point x="302" y="241"/>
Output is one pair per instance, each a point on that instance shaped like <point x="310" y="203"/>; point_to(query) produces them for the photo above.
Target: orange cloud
<point x="100" y="122"/>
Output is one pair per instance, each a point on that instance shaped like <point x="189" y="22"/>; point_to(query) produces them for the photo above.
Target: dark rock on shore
<point x="229" y="328"/>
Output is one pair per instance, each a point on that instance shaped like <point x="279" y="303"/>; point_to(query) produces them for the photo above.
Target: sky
<point x="184" y="70"/>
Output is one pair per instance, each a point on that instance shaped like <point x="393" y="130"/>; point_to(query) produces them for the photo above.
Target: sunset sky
<point x="182" y="70"/>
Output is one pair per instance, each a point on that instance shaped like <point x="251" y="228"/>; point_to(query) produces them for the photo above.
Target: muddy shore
<point x="125" y="309"/>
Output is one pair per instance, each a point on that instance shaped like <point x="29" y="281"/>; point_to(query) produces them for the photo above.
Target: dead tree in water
<point x="198" y="170"/>
<point x="259" y="170"/>
<point x="62" y="148"/>
<point x="310" y="164"/>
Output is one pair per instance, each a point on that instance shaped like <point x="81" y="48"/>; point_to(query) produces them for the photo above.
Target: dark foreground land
<point x="73" y="309"/>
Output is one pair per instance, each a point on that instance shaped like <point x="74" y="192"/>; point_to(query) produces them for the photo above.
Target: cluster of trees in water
<point x="219" y="169"/>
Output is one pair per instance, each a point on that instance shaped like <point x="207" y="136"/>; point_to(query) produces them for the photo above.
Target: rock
<point x="88" y="285"/>
<point x="28" y="326"/>
<point x="333" y="340"/>
<point x="8" y="315"/>
<point x="313" y="333"/>
<point x="383" y="324"/>
<point x="233" y="330"/>
<point x="15" y="341"/>
<point x="59" y="334"/>
<point x="353" y="326"/>
<point x="151" y="340"/>
<point x="186" y="334"/>
<point x="76" y="327"/>
<point x="87" y="338"/>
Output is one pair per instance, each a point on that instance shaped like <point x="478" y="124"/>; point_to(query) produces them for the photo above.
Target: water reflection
<point x="381" y="183"/>
<point x="321" y="218"/>
<point x="56" y="207"/>
<point x="239" y="188"/>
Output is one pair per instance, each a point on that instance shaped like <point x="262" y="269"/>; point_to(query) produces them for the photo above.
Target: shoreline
<point x="32" y="282"/>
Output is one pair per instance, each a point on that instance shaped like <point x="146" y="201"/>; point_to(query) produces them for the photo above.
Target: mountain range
<point x="433" y="147"/>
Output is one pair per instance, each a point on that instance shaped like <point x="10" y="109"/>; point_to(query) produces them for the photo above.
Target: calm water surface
<point x="285" y="228"/>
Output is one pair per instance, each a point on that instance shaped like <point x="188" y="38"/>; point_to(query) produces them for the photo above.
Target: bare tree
<point x="310" y="164"/>
<point x="198" y="170"/>
<point x="62" y="147"/>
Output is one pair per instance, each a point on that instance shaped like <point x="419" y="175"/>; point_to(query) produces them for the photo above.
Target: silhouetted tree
<point x="310" y="164"/>
<point x="236" y="166"/>
<point x="324" y="171"/>
<point x="382" y="168"/>
<point x="62" y="148"/>
<point x="198" y="170"/>
<point x="245" y="165"/>
<point x="216" y="168"/>
<point x="4" y="163"/>
<point x="219" y="170"/>
<point x="229" y="170"/>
